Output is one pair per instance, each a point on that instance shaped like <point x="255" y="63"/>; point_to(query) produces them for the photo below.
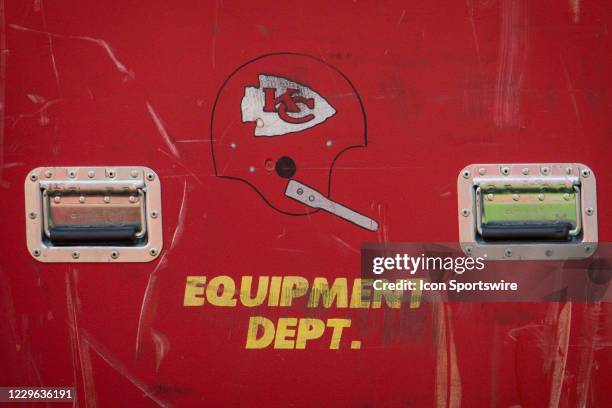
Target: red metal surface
<point x="443" y="83"/>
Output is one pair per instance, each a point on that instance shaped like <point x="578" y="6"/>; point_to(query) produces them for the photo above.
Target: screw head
<point x="154" y="214"/>
<point x="508" y="252"/>
<point x="150" y="176"/>
<point x="505" y="170"/>
<point x="153" y="252"/>
<point x="300" y="191"/>
<point x="76" y="255"/>
<point x="33" y="177"/>
<point x="114" y="254"/>
<point x="466" y="174"/>
<point x="311" y="198"/>
<point x="585" y="173"/>
<point x="482" y="171"/>
<point x="32" y="215"/>
<point x="525" y="171"/>
<point x="48" y="173"/>
<point x="465" y="212"/>
<point x="590" y="211"/>
<point x="91" y="174"/>
<point x="568" y="170"/>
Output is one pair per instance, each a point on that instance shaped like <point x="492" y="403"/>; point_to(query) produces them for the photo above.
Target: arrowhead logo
<point x="280" y="106"/>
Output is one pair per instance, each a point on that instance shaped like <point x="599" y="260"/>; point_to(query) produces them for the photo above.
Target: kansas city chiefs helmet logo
<point x="280" y="106"/>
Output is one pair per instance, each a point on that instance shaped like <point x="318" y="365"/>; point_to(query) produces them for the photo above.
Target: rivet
<point x="154" y="214"/>
<point x="134" y="173"/>
<point x="48" y="174"/>
<point x="311" y="198"/>
<point x="33" y="177"/>
<point x="545" y="170"/>
<point x="72" y="174"/>
<point x="466" y="174"/>
<point x="468" y="250"/>
<point x="259" y="123"/>
<point x="32" y="215"/>
<point x="76" y="254"/>
<point x="568" y="170"/>
<point x="541" y="197"/>
<point x="114" y="254"/>
<point x="153" y="252"/>
<point x="482" y="171"/>
<point x="505" y="170"/>
<point x="132" y="199"/>
<point x="150" y="176"/>
<point x="508" y="252"/>
<point x="525" y="171"/>
<point x="587" y="249"/>
<point x="515" y="197"/>
<point x="81" y="199"/>
<point x="111" y="173"/>
<point x="36" y="252"/>
<point x="300" y="191"/>
<point x="589" y="211"/>
<point x="91" y="174"/>
<point x="585" y="173"/>
<point x="106" y="199"/>
<point x="549" y="252"/>
<point x="465" y="212"/>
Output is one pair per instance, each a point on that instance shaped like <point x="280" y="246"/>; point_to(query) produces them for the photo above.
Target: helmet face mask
<point x="283" y="117"/>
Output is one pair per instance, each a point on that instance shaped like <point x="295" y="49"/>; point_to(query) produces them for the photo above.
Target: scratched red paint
<point x="443" y="83"/>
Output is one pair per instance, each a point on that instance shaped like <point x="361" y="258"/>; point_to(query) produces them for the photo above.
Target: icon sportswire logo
<point x="280" y="106"/>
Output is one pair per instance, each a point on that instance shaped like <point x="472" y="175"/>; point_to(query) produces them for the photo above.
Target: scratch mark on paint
<point x="470" y="6"/>
<point x="42" y="111"/>
<point x="560" y="354"/>
<point x="592" y="313"/>
<point x="400" y="19"/>
<point x="344" y="244"/>
<point x="162" y="345"/>
<point x="448" y="379"/>
<point x="571" y="91"/>
<point x="109" y="51"/>
<point x="51" y="51"/>
<point x="512" y="55"/>
<point x="213" y="53"/>
<point x="575" y="8"/>
<point x="119" y="367"/>
<point x="148" y="306"/>
<point x="513" y="333"/>
<point x="180" y="163"/>
<point x="178" y="232"/>
<point x="82" y="350"/>
<point x="162" y="131"/>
